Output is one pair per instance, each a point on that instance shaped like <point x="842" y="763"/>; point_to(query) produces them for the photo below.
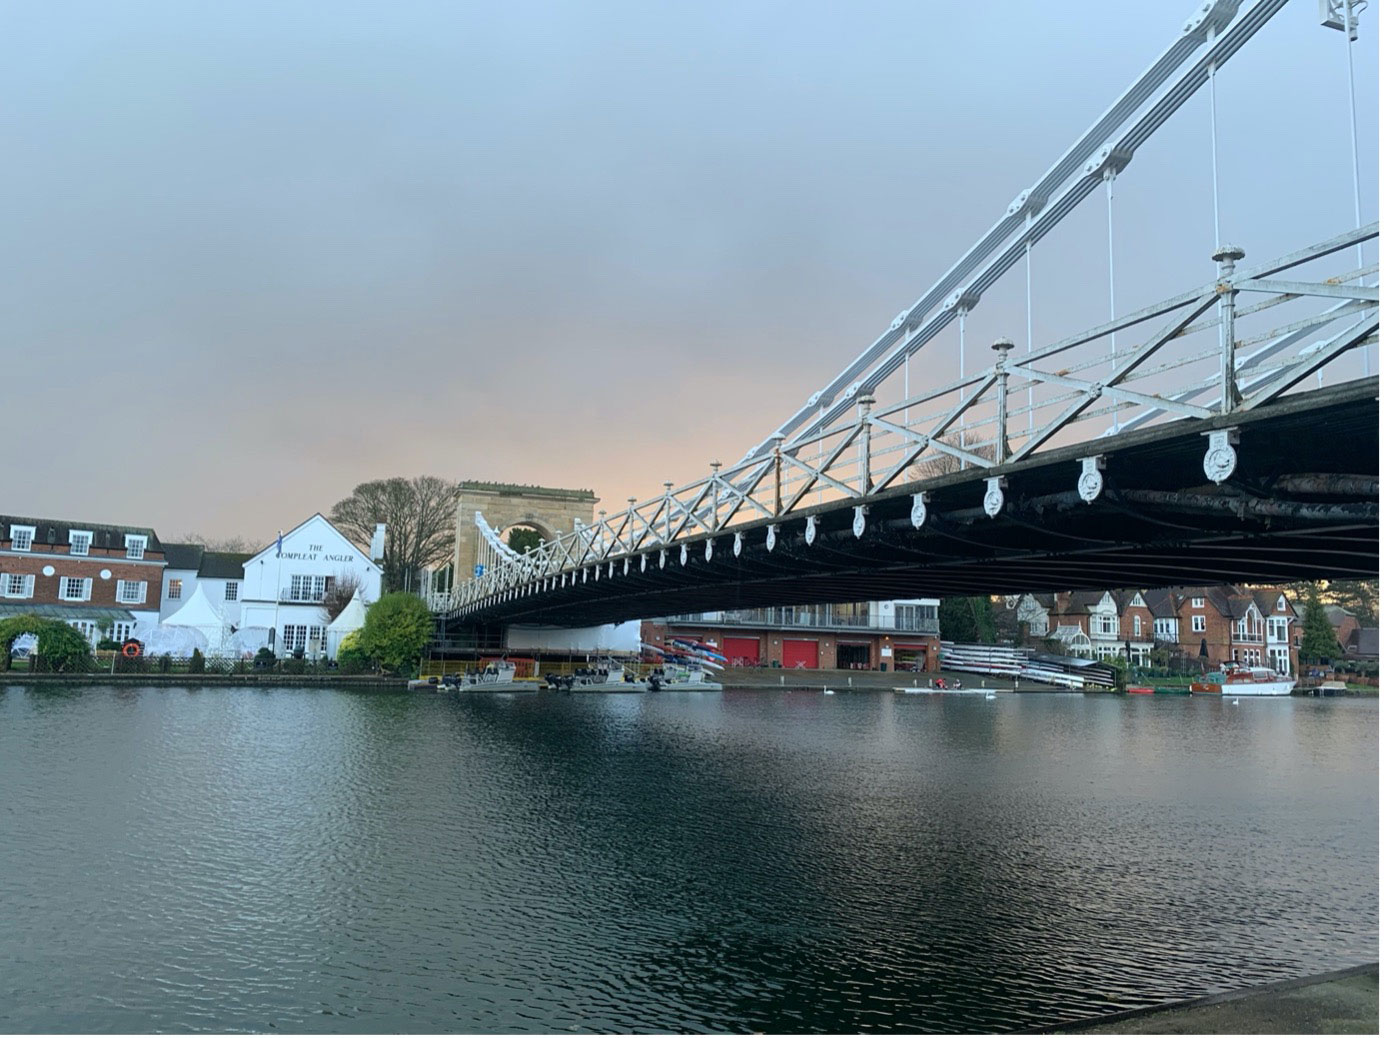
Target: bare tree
<point x="420" y="523"/>
<point x="239" y="545"/>
<point x="940" y="464"/>
<point x="343" y="587"/>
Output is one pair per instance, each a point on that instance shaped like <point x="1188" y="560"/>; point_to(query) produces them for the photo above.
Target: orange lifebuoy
<point x="130" y="650"/>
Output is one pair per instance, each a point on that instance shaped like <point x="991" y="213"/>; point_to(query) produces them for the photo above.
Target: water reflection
<point x="777" y="861"/>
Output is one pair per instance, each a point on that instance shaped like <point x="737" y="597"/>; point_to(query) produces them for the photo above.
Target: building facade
<point x="220" y="574"/>
<point x="1214" y="624"/>
<point x="283" y="585"/>
<point x="99" y="578"/>
<point x="895" y="635"/>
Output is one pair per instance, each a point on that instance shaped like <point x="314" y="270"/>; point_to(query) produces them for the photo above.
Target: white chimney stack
<point x="377" y="543"/>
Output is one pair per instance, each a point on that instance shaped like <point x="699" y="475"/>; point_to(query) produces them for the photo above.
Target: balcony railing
<point x="302" y="596"/>
<point x="816" y="617"/>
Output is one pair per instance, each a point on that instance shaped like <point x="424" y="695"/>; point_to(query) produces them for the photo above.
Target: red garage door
<point x="742" y="652"/>
<point x="799" y="655"/>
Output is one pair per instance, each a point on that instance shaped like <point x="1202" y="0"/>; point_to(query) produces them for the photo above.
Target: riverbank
<point x="1343" y="1002"/>
<point x="266" y="678"/>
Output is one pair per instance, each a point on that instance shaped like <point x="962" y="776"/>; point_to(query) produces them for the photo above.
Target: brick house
<point x="1217" y="624"/>
<point x="99" y="578"/>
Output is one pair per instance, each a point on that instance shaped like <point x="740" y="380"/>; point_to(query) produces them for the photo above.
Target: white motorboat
<point x="681" y="677"/>
<point x="1236" y="680"/>
<point x="605" y="676"/>
<point x="495" y="676"/>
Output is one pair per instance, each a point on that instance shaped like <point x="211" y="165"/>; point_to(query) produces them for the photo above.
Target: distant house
<point x="1216" y="624"/>
<point x="1345" y="623"/>
<point x="1363" y="644"/>
<point x="99" y="578"/>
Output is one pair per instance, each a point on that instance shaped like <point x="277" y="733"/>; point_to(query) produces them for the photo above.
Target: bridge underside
<point x="1291" y="511"/>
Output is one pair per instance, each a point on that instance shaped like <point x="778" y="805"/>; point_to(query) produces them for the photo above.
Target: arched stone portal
<point x="549" y="510"/>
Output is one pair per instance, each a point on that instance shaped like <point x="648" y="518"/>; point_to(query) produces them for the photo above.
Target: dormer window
<point x="135" y="545"/>
<point x="79" y="542"/>
<point x="1198" y="603"/>
<point x="21" y="538"/>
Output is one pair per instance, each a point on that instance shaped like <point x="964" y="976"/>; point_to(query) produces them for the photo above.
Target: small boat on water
<point x="685" y="677"/>
<point x="1140" y="690"/>
<point x="605" y="676"/>
<point x="495" y="676"/>
<point x="1171" y="690"/>
<point x="1237" y="680"/>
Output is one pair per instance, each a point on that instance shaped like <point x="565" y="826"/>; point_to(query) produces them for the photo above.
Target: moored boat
<point x="1140" y="690"/>
<point x="605" y="676"/>
<point x="1236" y="680"/>
<point x="687" y="677"/>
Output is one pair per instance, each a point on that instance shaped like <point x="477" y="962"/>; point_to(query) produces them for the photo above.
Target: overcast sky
<point x="256" y="253"/>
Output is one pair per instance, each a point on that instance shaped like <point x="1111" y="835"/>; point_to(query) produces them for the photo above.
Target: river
<point x="321" y="860"/>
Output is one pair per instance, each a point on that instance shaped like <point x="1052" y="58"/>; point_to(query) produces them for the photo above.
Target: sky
<point x="257" y="253"/>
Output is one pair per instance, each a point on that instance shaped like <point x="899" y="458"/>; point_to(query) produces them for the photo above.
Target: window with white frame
<point x="307" y="588"/>
<point x="120" y="630"/>
<point x="317" y="638"/>
<point x="1278" y="629"/>
<point x="18" y="585"/>
<point x="1198" y="603"/>
<point x="74" y="589"/>
<point x="131" y="592"/>
<point x="1138" y="626"/>
<point x="1108" y="626"/>
<point x="135" y="545"/>
<point x="86" y="627"/>
<point x="79" y="542"/>
<point x="175" y="588"/>
<point x="1198" y="623"/>
<point x="295" y="637"/>
<point x="21" y="538"/>
<point x="1280" y="660"/>
<point x="1165" y="629"/>
<point x="232" y="590"/>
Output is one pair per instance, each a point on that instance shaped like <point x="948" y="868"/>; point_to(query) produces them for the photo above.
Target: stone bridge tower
<point x="549" y="510"/>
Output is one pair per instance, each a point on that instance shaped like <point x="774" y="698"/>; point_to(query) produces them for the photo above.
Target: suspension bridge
<point x="1228" y="432"/>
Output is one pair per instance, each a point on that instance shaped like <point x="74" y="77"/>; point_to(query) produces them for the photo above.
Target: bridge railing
<point x="1237" y="342"/>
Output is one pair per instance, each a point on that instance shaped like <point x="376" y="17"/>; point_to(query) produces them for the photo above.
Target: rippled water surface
<point x="316" y="860"/>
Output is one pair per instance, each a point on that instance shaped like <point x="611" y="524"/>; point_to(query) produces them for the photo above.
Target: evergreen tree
<point x="967" y="620"/>
<point x="1318" y="636"/>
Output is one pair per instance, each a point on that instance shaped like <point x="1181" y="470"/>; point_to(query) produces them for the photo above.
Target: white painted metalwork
<point x="1221" y="459"/>
<point x="1185" y="362"/>
<point x="1090" y="483"/>
<point x="1227" y="346"/>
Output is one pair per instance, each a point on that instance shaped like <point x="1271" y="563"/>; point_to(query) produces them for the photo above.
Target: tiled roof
<point x="183" y="556"/>
<point x="1162" y="603"/>
<point x="223" y="565"/>
<point x="1337" y="615"/>
<point x="103" y="535"/>
<point x="1364" y="642"/>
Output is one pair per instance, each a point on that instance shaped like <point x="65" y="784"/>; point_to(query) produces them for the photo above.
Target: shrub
<point x="198" y="663"/>
<point x="165" y="663"/>
<point x="108" y="645"/>
<point x="60" y="647"/>
<point x="397" y="627"/>
<point x="264" y="659"/>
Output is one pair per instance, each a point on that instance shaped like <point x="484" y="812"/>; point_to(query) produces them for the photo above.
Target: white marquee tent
<point x="200" y="616"/>
<point x="352" y="618"/>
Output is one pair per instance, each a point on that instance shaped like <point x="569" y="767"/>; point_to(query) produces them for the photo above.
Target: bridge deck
<point x="1159" y="522"/>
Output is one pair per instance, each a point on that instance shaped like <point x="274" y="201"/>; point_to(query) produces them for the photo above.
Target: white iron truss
<point x="1226" y="347"/>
